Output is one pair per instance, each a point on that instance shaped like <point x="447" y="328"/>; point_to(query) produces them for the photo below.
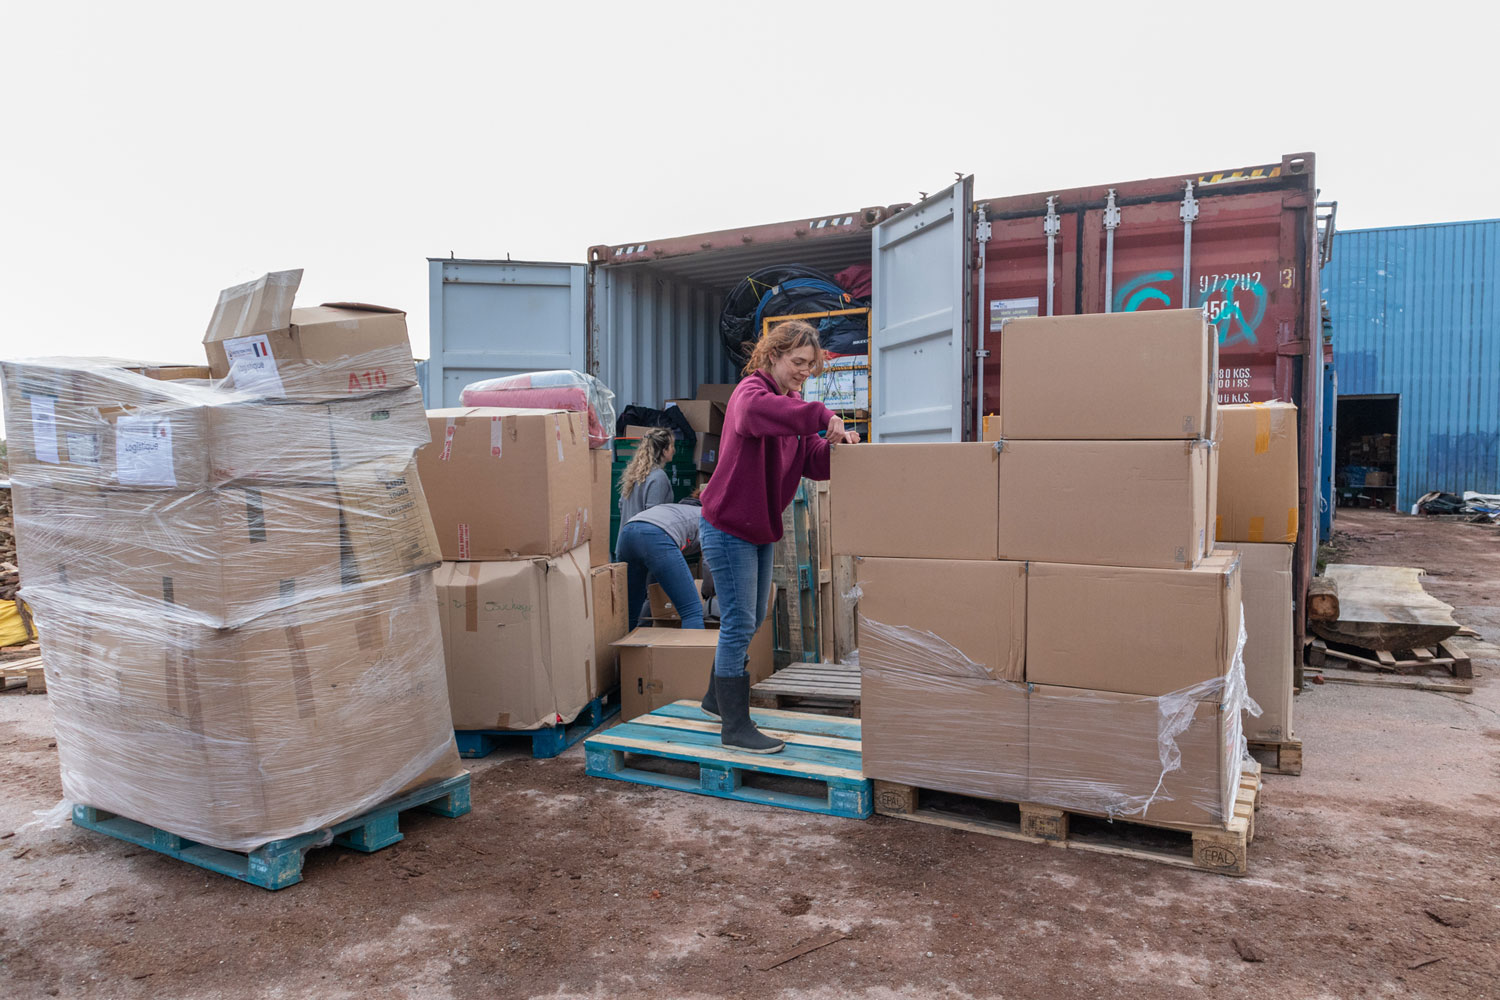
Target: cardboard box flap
<point x="363" y="307"/>
<point x="675" y="638"/>
<point x="260" y="306"/>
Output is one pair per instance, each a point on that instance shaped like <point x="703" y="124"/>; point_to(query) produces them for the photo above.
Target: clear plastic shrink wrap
<point x="933" y="718"/>
<point x="235" y="594"/>
<point x="554" y="390"/>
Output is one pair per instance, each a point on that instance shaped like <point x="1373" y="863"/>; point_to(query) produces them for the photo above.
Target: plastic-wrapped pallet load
<point x="242" y="633"/>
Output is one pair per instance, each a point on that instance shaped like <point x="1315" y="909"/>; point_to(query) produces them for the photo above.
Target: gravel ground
<point x="1372" y="875"/>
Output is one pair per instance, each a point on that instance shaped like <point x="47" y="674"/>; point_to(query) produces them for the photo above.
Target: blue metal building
<point x="1416" y="344"/>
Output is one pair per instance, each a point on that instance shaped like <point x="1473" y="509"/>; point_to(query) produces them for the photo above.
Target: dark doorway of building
<point x="1365" y="453"/>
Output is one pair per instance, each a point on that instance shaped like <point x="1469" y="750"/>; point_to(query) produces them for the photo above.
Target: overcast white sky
<point x="155" y="153"/>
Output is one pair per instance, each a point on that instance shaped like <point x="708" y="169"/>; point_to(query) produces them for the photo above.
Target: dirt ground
<point x="1374" y="874"/>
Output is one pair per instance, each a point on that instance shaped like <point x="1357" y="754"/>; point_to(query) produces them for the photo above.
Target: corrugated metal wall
<point x="1416" y="312"/>
<point x="654" y="338"/>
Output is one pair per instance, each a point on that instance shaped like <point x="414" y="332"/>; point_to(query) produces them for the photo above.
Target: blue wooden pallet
<point x="819" y="748"/>
<point x="549" y="741"/>
<point x="279" y="864"/>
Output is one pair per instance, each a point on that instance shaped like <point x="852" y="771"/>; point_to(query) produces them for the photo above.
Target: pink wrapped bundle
<point x="554" y="390"/>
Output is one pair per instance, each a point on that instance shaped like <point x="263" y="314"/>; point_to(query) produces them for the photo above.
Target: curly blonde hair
<point x="783" y="338"/>
<point x="649" y="456"/>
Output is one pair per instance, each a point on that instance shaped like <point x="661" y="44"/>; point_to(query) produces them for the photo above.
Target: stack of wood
<point x="10" y="572"/>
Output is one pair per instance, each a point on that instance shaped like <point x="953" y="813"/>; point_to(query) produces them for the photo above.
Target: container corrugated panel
<point x="1416" y="313"/>
<point x="654" y="338"/>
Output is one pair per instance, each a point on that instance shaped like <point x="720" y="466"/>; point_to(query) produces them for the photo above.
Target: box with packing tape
<point x="261" y="345"/>
<point x="519" y="640"/>
<point x="508" y="483"/>
<point x="1257" y="473"/>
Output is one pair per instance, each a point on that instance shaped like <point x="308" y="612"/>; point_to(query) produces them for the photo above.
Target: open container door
<point x="920" y="337"/>
<point x="500" y="317"/>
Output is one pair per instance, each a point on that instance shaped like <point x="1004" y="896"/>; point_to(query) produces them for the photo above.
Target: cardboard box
<point x="601" y="504"/>
<point x="1111" y="503"/>
<point x="611" y="622"/>
<point x="1257" y="473"/>
<point x="1213" y="495"/>
<point x="717" y="392"/>
<point x="963" y="734"/>
<point x="504" y="483"/>
<point x="292" y="722"/>
<point x="518" y="638"/>
<point x="992" y="425"/>
<point x="703" y="415"/>
<point x="263" y="346"/>
<point x="216" y="558"/>
<point x="661" y="665"/>
<point x="977" y="608"/>
<point x="932" y="501"/>
<point x="385" y="517"/>
<point x="1129" y="630"/>
<point x="1109" y="376"/>
<point x="1099" y="752"/>
<point x="1269" y="654"/>
<point x="706" y="452"/>
<point x="664" y="613"/>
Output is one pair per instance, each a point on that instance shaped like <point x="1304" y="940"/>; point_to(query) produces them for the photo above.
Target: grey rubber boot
<point x="710" y="704"/>
<point x="737" y="732"/>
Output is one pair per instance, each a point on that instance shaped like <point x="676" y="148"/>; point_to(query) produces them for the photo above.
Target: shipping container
<point x="946" y="272"/>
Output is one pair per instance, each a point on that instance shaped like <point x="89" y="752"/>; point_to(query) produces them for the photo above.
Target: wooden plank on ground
<point x="1385" y="607"/>
<point x="1335" y="676"/>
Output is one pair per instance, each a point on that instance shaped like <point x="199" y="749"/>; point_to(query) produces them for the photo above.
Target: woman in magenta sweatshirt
<point x="770" y="441"/>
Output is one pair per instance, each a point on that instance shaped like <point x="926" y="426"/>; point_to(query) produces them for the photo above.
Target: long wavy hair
<point x="782" y="339"/>
<point x="649" y="456"/>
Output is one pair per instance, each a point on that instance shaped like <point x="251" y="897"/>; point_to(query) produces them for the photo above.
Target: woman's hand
<point x="838" y="435"/>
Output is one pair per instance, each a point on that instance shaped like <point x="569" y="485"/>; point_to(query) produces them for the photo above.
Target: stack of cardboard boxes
<point x="1257" y="520"/>
<point x="234" y="576"/>
<point x="512" y="497"/>
<point x="1041" y="618"/>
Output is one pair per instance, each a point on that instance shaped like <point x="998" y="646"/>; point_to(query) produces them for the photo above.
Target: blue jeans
<point x="742" y="579"/>
<point x="645" y="548"/>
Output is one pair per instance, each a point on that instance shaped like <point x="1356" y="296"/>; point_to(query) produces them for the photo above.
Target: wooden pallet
<point x="821" y="751"/>
<point x="1208" y="848"/>
<point x="832" y="688"/>
<point x="26" y="673"/>
<point x="279" y="864"/>
<point x="1278" y="756"/>
<point x="1369" y="678"/>
<point x="548" y="741"/>
<point x="1445" y="658"/>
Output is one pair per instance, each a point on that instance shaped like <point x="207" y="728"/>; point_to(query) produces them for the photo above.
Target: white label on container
<point x="1002" y="310"/>
<point x="44" y="429"/>
<point x="497" y="436"/>
<point x="143" y="452"/>
<point x="83" y="448"/>
<point x="252" y="367"/>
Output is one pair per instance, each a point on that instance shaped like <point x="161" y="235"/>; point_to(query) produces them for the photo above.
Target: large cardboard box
<point x="386" y="520"/>
<point x="611" y="622"/>
<point x="661" y="665"/>
<point x="504" y="483"/>
<point x="1109" y="376"/>
<point x="1103" y="753"/>
<point x="935" y="717"/>
<point x="922" y="501"/>
<point x="1130" y="630"/>
<point x="1269" y="655"/>
<point x="717" y="392"/>
<point x="1257" y="473"/>
<point x="705" y="416"/>
<point x="263" y="346"/>
<point x="664" y="613"/>
<point x="600" y="505"/>
<point x="216" y="558"/>
<point x="1111" y="503"/>
<point x="284" y="725"/>
<point x="518" y="638"/>
<point x="977" y="609"/>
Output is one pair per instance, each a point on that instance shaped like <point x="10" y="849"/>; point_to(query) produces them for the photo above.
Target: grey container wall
<point x="1416" y="312"/>
<point x="646" y="335"/>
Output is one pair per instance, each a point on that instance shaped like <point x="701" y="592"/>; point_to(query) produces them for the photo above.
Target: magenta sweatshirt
<point x="770" y="441"/>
